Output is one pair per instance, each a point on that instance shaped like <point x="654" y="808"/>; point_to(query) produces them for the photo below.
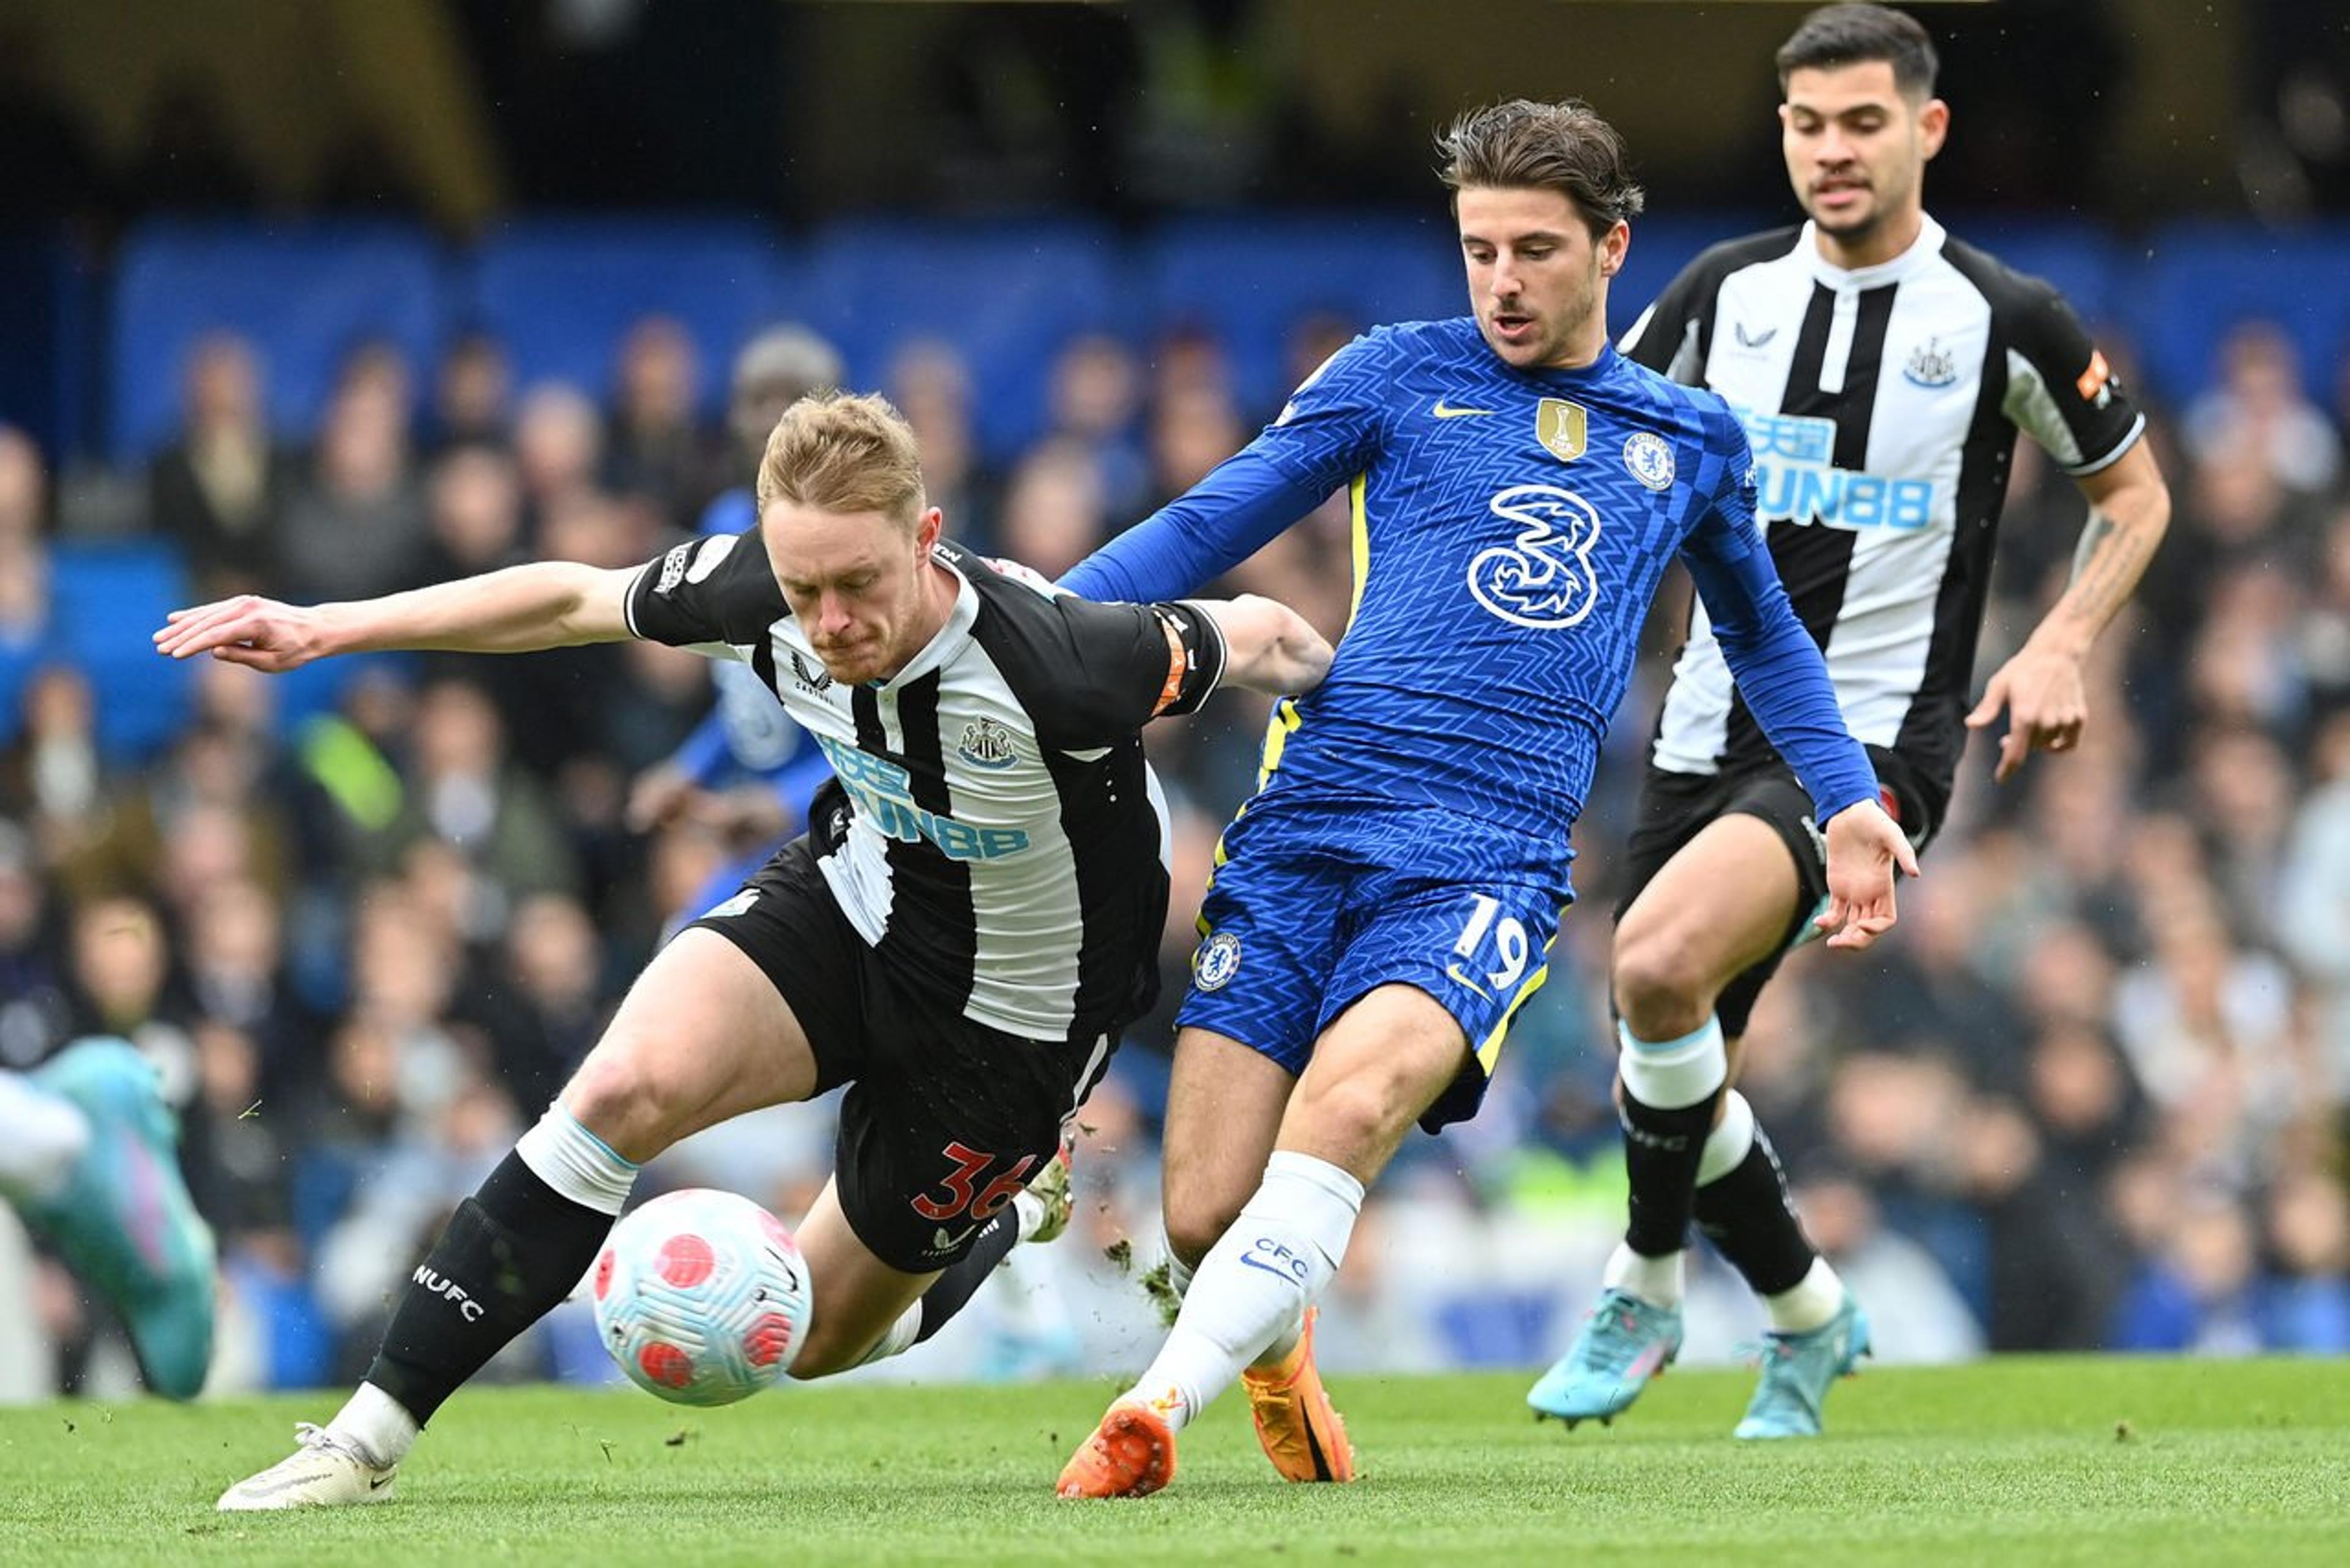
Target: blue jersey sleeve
<point x="1200" y="535"/>
<point x="1771" y="656"/>
<point x="1329" y="431"/>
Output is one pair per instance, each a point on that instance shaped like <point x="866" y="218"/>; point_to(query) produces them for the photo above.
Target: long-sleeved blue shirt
<point x="1511" y="528"/>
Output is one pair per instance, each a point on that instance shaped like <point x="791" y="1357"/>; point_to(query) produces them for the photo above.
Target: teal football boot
<point x="1798" y="1370"/>
<point x="1623" y="1344"/>
<point x="123" y="1222"/>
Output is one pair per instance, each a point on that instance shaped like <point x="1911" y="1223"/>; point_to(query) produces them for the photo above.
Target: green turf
<point x="2021" y="1460"/>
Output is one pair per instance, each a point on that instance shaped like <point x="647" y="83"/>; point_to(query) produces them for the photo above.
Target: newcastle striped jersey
<point x="1882" y="406"/>
<point x="1006" y="848"/>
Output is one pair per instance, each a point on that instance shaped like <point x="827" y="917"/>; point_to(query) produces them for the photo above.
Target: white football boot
<point x="327" y="1469"/>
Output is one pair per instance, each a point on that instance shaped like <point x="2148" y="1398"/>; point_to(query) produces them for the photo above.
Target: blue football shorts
<point x="1292" y="938"/>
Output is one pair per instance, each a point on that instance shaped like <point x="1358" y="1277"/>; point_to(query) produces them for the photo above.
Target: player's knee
<point x="1365" y="1113"/>
<point x="1662" y="984"/>
<point x="619" y="1095"/>
<point x="1197" y="1218"/>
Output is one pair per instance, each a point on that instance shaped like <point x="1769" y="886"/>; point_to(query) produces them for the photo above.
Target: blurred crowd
<point x="2091" y="1096"/>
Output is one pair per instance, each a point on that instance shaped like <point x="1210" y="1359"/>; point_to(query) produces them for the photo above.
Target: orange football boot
<point x="1295" y="1422"/>
<point x="1130" y="1454"/>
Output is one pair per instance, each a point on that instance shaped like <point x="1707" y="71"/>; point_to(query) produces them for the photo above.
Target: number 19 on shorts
<point x="1494" y="947"/>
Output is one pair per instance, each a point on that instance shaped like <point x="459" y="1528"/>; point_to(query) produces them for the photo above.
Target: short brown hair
<point x="1563" y="147"/>
<point x="844" y="453"/>
<point x="1837" y="36"/>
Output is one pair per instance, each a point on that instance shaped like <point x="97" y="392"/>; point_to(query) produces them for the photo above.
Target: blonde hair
<point x="843" y="454"/>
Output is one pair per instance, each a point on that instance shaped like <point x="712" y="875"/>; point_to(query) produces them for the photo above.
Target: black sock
<point x="1750" y="1220"/>
<point x="509" y="1253"/>
<point x="1662" y="1150"/>
<point x="952" y="1289"/>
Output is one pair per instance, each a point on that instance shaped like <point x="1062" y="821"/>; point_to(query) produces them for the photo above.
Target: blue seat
<point x="2204" y="279"/>
<point x="47" y="289"/>
<point x="106" y="601"/>
<point x="1250" y="278"/>
<point x="303" y="295"/>
<point x="562" y="292"/>
<point x="1006" y="295"/>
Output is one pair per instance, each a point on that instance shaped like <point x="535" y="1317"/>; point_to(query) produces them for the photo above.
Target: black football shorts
<point x="1674" y="807"/>
<point x="944" y="1118"/>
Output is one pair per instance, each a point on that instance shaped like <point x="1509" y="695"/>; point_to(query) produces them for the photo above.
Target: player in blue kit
<point x="1385" y="903"/>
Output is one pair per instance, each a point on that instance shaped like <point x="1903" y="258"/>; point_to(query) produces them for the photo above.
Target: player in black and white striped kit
<point x="1883" y="369"/>
<point x="972" y="919"/>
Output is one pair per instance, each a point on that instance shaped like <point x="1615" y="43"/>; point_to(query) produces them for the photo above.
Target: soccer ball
<point x="702" y="1297"/>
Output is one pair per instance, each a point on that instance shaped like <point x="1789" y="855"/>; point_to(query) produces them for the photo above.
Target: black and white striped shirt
<point x="1006" y="852"/>
<point x="1882" y="406"/>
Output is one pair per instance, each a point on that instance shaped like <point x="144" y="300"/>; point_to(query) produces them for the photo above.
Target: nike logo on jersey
<point x="1443" y="411"/>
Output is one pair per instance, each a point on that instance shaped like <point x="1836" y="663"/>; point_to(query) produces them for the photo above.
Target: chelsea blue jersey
<point x="1510" y="529"/>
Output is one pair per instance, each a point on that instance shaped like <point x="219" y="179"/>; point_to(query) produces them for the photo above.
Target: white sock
<point x="1672" y="1073"/>
<point x="1284" y="1341"/>
<point x="1027" y="1212"/>
<point x="564" y="1154"/>
<point x="1178" y="1280"/>
<point x="1817" y="1297"/>
<point x="1255" y="1283"/>
<point x="42" y="1135"/>
<point x="1728" y="1145"/>
<point x="377" y="1423"/>
<point x="1656" y="1281"/>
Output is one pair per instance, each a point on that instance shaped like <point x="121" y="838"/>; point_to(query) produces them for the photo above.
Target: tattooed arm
<point x="2042" y="688"/>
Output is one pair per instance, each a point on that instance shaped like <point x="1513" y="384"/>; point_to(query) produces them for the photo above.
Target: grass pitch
<point x="2020" y="1461"/>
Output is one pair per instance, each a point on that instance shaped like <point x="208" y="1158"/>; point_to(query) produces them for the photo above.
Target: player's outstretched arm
<point x="2043" y="688"/>
<point x="1867" y="856"/>
<point x="548" y="604"/>
<point x="1268" y="647"/>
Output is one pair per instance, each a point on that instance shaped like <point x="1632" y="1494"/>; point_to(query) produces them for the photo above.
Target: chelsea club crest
<point x="1649" y="460"/>
<point x="1219" y="961"/>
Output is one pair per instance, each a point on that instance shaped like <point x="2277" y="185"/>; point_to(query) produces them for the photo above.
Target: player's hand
<point x="1865" y="849"/>
<point x="258" y="633"/>
<point x="660" y="793"/>
<point x="2047" y="702"/>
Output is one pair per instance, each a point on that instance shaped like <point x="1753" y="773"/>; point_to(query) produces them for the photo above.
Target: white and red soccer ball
<point x="702" y="1297"/>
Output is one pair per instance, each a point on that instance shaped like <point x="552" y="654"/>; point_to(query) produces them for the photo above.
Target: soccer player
<point x="973" y="917"/>
<point x="90" y="1157"/>
<point x="1383" y="905"/>
<point x="1882" y="368"/>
